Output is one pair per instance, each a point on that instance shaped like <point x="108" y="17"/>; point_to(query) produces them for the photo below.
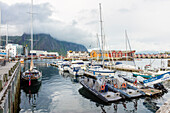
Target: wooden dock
<point x="9" y="87"/>
<point x="122" y="69"/>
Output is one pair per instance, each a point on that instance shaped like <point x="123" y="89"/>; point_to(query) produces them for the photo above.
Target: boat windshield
<point x="77" y="68"/>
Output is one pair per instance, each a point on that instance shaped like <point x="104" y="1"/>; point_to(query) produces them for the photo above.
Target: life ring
<point x="135" y="83"/>
<point x="115" y="85"/>
<point x="102" y="87"/>
<point x="124" y="85"/>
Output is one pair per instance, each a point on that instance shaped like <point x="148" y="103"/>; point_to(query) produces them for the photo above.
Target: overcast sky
<point x="147" y="21"/>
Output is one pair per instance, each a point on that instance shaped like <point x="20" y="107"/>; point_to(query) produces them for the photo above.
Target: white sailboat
<point x="126" y="65"/>
<point x="98" y="70"/>
<point x="32" y="76"/>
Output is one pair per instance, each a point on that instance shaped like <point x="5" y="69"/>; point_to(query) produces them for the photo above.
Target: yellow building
<point x="112" y="53"/>
<point x="97" y="53"/>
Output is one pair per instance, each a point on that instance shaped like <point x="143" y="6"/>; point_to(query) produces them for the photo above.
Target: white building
<point x="77" y="54"/>
<point x="14" y="50"/>
<point x="44" y="53"/>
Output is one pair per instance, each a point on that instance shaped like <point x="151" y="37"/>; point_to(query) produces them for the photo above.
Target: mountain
<point x="47" y="43"/>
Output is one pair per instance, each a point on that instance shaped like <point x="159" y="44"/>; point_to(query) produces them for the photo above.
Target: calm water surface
<point x="62" y="93"/>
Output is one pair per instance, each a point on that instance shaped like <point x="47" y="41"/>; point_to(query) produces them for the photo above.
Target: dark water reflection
<point x="62" y="93"/>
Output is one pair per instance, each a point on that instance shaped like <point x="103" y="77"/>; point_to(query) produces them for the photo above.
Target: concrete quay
<point x="9" y="87"/>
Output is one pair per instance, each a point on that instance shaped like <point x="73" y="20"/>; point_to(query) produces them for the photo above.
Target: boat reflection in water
<point x="64" y="74"/>
<point x="32" y="95"/>
<point x="74" y="79"/>
<point x="131" y="109"/>
<point x="150" y="105"/>
<point x="86" y="94"/>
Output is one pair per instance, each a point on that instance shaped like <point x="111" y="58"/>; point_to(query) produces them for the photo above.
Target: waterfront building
<point x="112" y="53"/>
<point x="14" y="50"/>
<point x="158" y="55"/>
<point x="77" y="54"/>
<point x="40" y="53"/>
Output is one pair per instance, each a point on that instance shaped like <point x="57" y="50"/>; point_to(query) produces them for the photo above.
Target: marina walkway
<point x="6" y="68"/>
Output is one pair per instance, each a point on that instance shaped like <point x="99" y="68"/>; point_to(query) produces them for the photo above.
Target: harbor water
<point x="62" y="93"/>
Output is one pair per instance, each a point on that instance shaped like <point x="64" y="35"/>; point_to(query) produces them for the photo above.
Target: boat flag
<point x="135" y="81"/>
<point x="29" y="80"/>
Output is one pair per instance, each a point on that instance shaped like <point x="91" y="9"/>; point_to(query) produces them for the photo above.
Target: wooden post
<point x="0" y="85"/>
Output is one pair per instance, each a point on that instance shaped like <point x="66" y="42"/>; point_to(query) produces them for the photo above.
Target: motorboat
<point x="64" y="67"/>
<point x="152" y="73"/>
<point x="138" y="83"/>
<point x="100" y="90"/>
<point x="76" y="70"/>
<point x="118" y="84"/>
<point x="80" y="63"/>
<point x="99" y="70"/>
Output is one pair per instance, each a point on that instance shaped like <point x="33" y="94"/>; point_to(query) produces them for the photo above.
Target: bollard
<point x="9" y="73"/>
<point x="6" y="77"/>
<point x="0" y="85"/>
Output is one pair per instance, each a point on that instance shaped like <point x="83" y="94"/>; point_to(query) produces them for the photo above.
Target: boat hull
<point x="101" y="96"/>
<point x="142" y="75"/>
<point x="125" y="93"/>
<point x="34" y="82"/>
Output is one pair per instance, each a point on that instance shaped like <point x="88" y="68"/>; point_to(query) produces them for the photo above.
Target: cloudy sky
<point x="147" y="21"/>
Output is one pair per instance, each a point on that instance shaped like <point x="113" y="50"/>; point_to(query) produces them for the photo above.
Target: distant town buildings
<point x="112" y="53"/>
<point x="163" y="55"/>
<point x="77" y="54"/>
<point x="13" y="50"/>
<point x="39" y="53"/>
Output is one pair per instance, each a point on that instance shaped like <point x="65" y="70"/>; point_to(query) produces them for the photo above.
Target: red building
<point x="121" y="54"/>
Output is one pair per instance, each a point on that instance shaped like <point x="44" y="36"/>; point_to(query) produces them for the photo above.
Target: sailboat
<point x="126" y="66"/>
<point x="32" y="76"/>
<point x="98" y="69"/>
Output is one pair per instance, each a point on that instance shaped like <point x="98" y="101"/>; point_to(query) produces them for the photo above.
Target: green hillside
<point x="47" y="43"/>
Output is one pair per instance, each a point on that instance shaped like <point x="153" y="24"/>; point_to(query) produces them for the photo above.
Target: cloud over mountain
<point x="147" y="21"/>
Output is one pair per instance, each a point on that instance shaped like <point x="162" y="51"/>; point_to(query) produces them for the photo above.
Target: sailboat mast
<point x="97" y="46"/>
<point x="127" y="41"/>
<point x="101" y="28"/>
<point x="31" y="13"/>
<point x="6" y="34"/>
<point x="126" y="45"/>
<point x="31" y="27"/>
